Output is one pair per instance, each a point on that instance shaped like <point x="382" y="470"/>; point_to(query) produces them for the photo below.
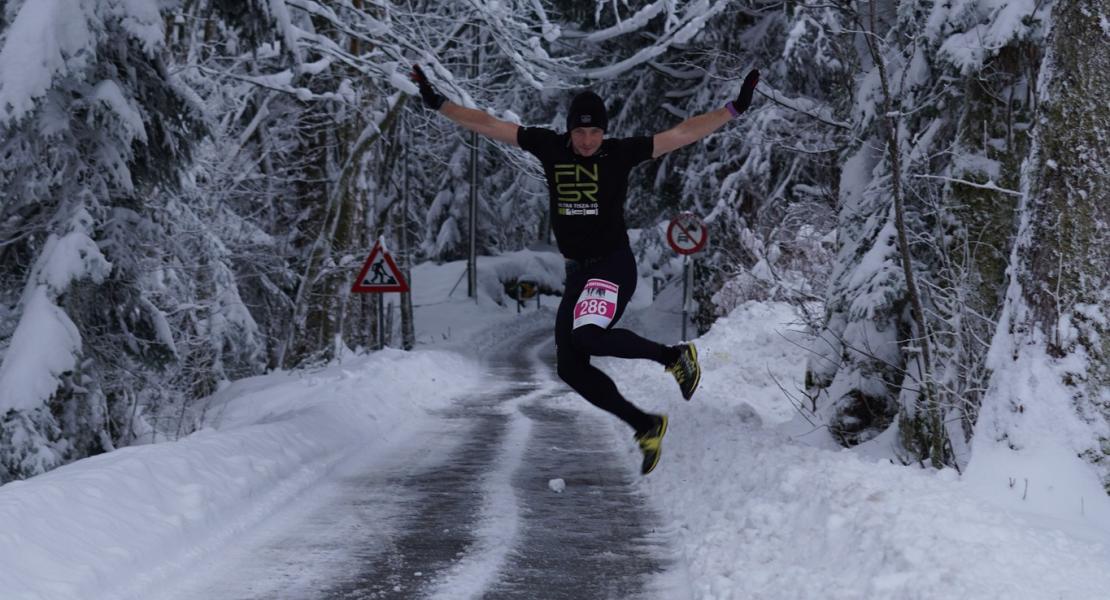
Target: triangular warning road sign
<point x="380" y="273"/>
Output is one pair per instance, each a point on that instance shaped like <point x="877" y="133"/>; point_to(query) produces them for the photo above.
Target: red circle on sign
<point x="687" y="234"/>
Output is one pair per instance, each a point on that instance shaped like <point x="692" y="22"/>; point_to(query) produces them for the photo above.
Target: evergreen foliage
<point x="959" y="170"/>
<point x="88" y="143"/>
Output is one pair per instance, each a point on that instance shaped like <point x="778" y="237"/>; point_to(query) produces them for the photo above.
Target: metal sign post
<point x="685" y="291"/>
<point x="381" y="322"/>
<point x="687" y="235"/>
<point x="380" y="275"/>
<point x="472" y="255"/>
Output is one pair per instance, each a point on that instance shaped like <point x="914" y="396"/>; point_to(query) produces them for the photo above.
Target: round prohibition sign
<point x="687" y="234"/>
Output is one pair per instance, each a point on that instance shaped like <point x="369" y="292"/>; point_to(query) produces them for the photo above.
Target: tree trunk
<point x="1063" y="269"/>
<point x="1051" y="354"/>
<point x="921" y="424"/>
<point x="975" y="241"/>
<point x="1069" y="198"/>
<point x="408" y="326"/>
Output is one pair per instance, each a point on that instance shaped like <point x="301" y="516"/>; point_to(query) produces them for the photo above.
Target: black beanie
<point x="587" y="110"/>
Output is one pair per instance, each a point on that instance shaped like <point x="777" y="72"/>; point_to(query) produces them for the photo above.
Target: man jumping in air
<point x="587" y="179"/>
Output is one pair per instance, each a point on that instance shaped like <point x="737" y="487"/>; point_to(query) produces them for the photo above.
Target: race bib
<point x="597" y="305"/>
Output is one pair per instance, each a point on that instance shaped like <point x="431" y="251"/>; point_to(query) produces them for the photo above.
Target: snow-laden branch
<point x="50" y="39"/>
<point x="672" y="72"/>
<point x="804" y="106"/>
<point x="697" y="14"/>
<point x="289" y="33"/>
<point x="633" y="23"/>
<point x="46" y="343"/>
<point x="989" y="185"/>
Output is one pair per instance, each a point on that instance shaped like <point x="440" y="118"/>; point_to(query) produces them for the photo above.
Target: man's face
<point x="586" y="140"/>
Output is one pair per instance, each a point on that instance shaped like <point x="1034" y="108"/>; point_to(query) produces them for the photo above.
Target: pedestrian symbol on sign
<point x="380" y="274"/>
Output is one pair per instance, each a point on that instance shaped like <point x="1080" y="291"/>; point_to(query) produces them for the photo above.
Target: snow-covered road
<point x="463" y="507"/>
<point x="420" y="475"/>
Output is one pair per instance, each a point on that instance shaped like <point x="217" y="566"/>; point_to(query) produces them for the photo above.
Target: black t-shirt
<point x="586" y="193"/>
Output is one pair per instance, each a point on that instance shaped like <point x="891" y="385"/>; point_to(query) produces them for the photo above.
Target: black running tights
<point x="575" y="345"/>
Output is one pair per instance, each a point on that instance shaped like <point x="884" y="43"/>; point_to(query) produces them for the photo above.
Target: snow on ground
<point x="136" y="515"/>
<point x="755" y="509"/>
<point x="446" y="317"/>
<point x="759" y="513"/>
<point x="112" y="525"/>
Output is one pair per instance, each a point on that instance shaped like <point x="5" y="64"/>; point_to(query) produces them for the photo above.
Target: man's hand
<point x="744" y="99"/>
<point x="432" y="98"/>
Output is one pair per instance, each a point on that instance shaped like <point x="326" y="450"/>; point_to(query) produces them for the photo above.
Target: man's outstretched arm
<point x="696" y="128"/>
<point x="481" y="122"/>
<point x="469" y="118"/>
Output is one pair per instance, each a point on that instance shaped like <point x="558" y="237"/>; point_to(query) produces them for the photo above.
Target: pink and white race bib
<point x="597" y="305"/>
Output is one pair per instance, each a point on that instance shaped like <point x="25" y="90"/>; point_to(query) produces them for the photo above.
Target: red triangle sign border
<point x="400" y="286"/>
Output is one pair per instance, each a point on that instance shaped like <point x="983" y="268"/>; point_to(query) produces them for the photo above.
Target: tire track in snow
<point x="597" y="538"/>
<point x="463" y="518"/>
<point x="498" y="524"/>
<point x="463" y="510"/>
<point x="594" y="540"/>
<point x="440" y="524"/>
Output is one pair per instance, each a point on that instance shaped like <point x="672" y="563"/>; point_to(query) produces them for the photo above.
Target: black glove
<point x="744" y="100"/>
<point x="432" y="98"/>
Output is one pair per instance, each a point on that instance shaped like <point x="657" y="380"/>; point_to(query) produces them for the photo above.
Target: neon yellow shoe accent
<point x="686" y="370"/>
<point x="651" y="444"/>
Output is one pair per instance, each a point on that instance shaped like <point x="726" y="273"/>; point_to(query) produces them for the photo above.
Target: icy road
<point x="467" y="507"/>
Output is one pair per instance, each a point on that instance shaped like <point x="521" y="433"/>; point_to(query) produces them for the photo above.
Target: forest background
<point x="187" y="186"/>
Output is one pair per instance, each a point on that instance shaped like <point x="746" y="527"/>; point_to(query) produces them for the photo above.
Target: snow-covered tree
<point x="91" y="123"/>
<point x="925" y="217"/>
<point x="1050" y="385"/>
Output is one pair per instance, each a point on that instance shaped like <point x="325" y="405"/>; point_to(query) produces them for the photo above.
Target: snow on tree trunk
<point x="973" y="236"/>
<point x="1046" y="407"/>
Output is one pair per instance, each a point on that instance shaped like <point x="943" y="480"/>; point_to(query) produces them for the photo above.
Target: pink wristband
<point x="732" y="110"/>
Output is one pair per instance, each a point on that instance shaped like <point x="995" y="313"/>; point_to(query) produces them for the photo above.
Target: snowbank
<point x="759" y="514"/>
<point x="446" y="317"/>
<point x="107" y="526"/>
<point x="114" y="525"/>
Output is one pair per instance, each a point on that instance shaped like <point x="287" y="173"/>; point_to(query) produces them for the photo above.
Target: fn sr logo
<point x="576" y="183"/>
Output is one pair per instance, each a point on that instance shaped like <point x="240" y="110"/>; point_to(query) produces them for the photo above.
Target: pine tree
<point x="91" y="123"/>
